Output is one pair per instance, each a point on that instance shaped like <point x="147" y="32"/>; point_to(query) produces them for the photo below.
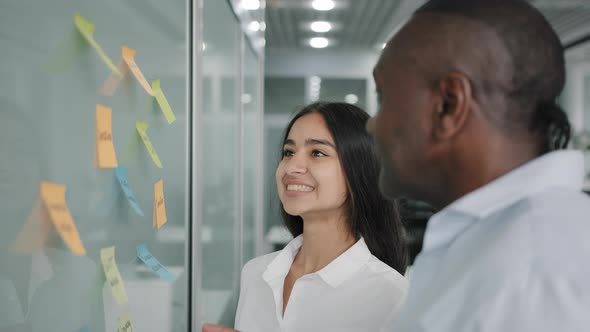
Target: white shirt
<point x="513" y="255"/>
<point x="355" y="292"/>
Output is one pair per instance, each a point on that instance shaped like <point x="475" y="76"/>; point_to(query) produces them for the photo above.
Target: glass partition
<point x="70" y="105"/>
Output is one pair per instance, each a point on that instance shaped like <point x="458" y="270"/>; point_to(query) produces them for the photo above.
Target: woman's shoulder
<point x="388" y="275"/>
<point x="257" y="265"/>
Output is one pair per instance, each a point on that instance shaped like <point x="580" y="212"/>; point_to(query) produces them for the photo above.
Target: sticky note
<point x="153" y="263"/>
<point x="121" y="175"/>
<point x="105" y="150"/>
<point x="142" y="128"/>
<point x="34" y="233"/>
<point x="111" y="272"/>
<point x="53" y="196"/>
<point x="163" y="102"/>
<point x="125" y="323"/>
<point x="128" y="55"/>
<point x="159" y="204"/>
<point x="109" y="87"/>
<point x="87" y="30"/>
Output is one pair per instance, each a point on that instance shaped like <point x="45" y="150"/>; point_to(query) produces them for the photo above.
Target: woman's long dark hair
<point x="369" y="213"/>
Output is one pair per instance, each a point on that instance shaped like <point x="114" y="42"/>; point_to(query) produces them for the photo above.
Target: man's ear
<point x="453" y="105"/>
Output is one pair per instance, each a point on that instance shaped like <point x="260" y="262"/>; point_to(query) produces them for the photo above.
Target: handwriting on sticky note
<point x="163" y="102"/>
<point x="111" y="272"/>
<point x="128" y="55"/>
<point x="125" y="323"/>
<point x="142" y="128"/>
<point x="87" y="30"/>
<point x="159" y="204"/>
<point x="53" y="196"/>
<point x="105" y="150"/>
<point x="152" y="262"/>
<point x="121" y="175"/>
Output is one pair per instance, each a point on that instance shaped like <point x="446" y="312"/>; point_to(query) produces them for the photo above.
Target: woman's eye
<point x="287" y="153"/>
<point x="317" y="153"/>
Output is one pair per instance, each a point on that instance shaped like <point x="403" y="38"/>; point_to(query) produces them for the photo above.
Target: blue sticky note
<point x="121" y="175"/>
<point x="84" y="329"/>
<point x="151" y="261"/>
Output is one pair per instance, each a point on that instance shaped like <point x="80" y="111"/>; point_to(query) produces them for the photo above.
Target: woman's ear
<point x="453" y="106"/>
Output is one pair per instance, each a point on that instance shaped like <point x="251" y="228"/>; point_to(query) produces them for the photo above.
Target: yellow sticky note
<point x="87" y="30"/>
<point x="109" y="87"/>
<point x="128" y="55"/>
<point x="159" y="204"/>
<point x="125" y="323"/>
<point x="53" y="196"/>
<point x="111" y="272"/>
<point x="142" y="130"/>
<point x="163" y="102"/>
<point x="105" y="150"/>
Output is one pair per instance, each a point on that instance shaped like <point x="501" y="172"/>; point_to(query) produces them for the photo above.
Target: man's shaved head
<point x="537" y="65"/>
<point x="467" y="86"/>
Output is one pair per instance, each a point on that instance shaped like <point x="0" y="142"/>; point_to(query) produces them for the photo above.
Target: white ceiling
<point x="368" y="23"/>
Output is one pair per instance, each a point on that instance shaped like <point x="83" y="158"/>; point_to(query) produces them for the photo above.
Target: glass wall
<point x="82" y="125"/>
<point x="131" y="160"/>
<point x="227" y="158"/>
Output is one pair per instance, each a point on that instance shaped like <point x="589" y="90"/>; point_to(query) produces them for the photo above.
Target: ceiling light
<point x="383" y="45"/>
<point x="203" y="46"/>
<point x="351" y="98"/>
<point x="321" y="26"/>
<point x="315" y="80"/>
<point x="254" y="26"/>
<point x="251" y="4"/>
<point x="318" y="42"/>
<point x="262" y="26"/>
<point x="323" y="4"/>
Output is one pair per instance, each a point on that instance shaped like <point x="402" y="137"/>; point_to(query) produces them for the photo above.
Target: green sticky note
<point x="142" y="128"/>
<point x="87" y="30"/>
<point x="163" y="102"/>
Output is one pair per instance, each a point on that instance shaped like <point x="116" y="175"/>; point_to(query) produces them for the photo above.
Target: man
<point x="468" y="123"/>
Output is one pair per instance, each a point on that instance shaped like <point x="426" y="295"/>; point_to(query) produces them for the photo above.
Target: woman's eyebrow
<point x="311" y="141"/>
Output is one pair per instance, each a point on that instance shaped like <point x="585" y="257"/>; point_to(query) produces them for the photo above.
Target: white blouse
<point x="355" y="292"/>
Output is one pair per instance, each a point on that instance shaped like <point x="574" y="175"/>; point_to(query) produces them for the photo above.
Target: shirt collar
<point x="558" y="169"/>
<point x="334" y="274"/>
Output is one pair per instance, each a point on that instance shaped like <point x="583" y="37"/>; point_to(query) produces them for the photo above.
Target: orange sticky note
<point x="53" y="196"/>
<point x="128" y="55"/>
<point x="34" y="233"/>
<point x="159" y="204"/>
<point x="105" y="150"/>
<point x="109" y="87"/>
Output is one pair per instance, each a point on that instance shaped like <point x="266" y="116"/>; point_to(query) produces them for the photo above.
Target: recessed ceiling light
<point x="251" y="4"/>
<point x="318" y="42"/>
<point x="351" y="98"/>
<point x="254" y="26"/>
<point x="321" y="26"/>
<point x="323" y="4"/>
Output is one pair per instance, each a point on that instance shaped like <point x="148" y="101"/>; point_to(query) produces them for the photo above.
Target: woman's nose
<point x="297" y="164"/>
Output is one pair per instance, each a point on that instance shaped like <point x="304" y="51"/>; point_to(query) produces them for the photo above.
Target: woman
<point x="343" y="269"/>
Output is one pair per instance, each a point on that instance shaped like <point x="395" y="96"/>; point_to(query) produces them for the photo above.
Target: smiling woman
<point x="348" y="250"/>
